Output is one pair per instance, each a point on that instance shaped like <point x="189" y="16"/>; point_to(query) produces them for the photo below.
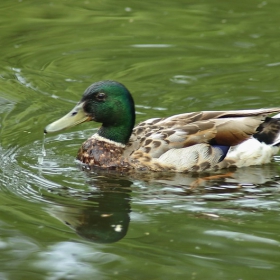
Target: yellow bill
<point x="76" y="116"/>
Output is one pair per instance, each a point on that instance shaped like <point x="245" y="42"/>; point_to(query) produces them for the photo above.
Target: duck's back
<point x="196" y="141"/>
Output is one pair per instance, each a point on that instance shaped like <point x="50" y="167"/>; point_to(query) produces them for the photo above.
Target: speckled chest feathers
<point x="104" y="154"/>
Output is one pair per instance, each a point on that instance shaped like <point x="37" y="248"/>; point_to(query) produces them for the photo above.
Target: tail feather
<point x="269" y="131"/>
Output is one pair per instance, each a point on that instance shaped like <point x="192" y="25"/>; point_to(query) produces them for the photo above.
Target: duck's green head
<point x="107" y="102"/>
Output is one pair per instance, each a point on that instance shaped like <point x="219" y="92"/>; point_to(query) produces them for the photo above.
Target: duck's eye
<point x="100" y="96"/>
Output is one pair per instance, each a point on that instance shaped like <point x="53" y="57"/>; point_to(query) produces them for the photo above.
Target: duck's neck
<point x="118" y="123"/>
<point x="118" y="132"/>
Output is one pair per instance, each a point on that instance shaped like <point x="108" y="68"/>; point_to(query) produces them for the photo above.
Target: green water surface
<point x="59" y="222"/>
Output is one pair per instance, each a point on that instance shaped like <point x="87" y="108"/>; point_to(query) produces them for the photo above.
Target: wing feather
<point x="229" y="128"/>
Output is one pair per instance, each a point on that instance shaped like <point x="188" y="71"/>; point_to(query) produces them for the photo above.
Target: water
<point x="59" y="221"/>
<point x="41" y="157"/>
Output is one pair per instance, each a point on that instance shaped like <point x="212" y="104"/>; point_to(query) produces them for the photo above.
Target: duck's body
<point x="187" y="142"/>
<point x="180" y="144"/>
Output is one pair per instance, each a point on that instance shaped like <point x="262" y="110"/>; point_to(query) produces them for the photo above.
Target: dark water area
<point x="58" y="221"/>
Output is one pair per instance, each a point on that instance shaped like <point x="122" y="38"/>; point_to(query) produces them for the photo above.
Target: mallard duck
<point x="195" y="141"/>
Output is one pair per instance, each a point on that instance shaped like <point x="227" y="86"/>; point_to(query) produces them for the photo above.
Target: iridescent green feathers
<point x="111" y="104"/>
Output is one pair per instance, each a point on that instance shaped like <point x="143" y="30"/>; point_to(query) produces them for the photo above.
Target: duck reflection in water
<point x="103" y="216"/>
